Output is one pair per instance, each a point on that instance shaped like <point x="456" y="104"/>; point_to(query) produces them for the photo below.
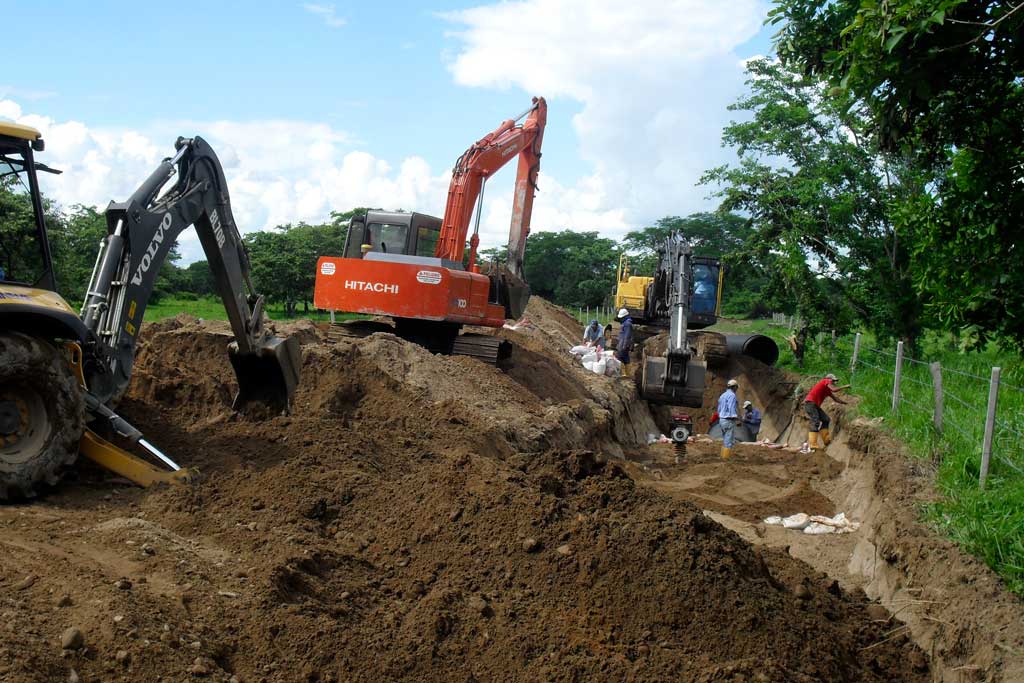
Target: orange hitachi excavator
<point x="411" y="267"/>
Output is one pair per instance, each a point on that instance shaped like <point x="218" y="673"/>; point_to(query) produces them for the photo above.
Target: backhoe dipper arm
<point x="675" y="378"/>
<point x="471" y="171"/>
<point x="141" y="233"/>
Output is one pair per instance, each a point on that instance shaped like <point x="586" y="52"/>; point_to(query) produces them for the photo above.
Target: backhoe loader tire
<point x="42" y="415"/>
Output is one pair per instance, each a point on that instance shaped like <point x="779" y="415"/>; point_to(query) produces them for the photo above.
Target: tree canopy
<point x="819" y="191"/>
<point x="941" y="84"/>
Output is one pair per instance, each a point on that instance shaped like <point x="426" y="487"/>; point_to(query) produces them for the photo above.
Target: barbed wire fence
<point x="959" y="408"/>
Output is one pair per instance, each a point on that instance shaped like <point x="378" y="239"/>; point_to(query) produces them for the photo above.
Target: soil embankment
<point x="420" y="518"/>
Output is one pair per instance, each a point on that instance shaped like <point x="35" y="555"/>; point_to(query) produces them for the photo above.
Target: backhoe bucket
<point x="655" y="387"/>
<point x="510" y="291"/>
<point x="269" y="374"/>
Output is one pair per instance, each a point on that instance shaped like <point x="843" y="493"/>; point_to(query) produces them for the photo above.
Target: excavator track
<point x="357" y="329"/>
<point x="484" y="347"/>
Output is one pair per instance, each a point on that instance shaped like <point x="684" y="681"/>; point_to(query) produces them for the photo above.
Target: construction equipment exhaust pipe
<point x="756" y="346"/>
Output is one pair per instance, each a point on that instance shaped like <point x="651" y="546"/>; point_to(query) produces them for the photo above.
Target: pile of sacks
<point x="816" y="524"/>
<point x="598" y="361"/>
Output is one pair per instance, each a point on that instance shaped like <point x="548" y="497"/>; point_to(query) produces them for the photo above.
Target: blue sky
<point x="393" y="82"/>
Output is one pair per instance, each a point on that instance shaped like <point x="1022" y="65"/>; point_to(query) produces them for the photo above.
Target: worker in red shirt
<point x="819" y="420"/>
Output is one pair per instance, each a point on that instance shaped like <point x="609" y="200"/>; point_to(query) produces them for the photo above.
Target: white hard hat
<point x="830" y="376"/>
<point x="623" y="313"/>
<point x="747" y="403"/>
<point x="732" y="383"/>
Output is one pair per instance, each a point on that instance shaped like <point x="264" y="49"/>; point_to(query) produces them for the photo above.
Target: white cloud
<point x="654" y="79"/>
<point x="325" y="12"/>
<point x="278" y="171"/>
<point x="285" y="171"/>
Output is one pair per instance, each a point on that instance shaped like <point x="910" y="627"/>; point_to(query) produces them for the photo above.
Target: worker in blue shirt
<point x="625" y="342"/>
<point x="751" y="419"/>
<point x="594" y="334"/>
<point x="727" y="416"/>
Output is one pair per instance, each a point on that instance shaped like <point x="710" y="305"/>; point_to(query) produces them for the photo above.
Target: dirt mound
<point x="417" y="517"/>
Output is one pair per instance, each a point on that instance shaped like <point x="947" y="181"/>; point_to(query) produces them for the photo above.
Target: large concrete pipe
<point x="756" y="346"/>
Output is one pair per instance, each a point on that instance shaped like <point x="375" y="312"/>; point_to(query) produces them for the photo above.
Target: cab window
<point x="426" y="241"/>
<point x="388" y="237"/>
<point x="22" y="257"/>
<point x="705" y="288"/>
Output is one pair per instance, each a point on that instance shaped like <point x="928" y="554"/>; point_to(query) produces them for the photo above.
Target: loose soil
<point x="420" y="517"/>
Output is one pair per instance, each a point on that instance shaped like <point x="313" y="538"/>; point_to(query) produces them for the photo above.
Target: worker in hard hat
<point x="817" y="435"/>
<point x="625" y="342"/>
<point x="751" y="419"/>
<point x="727" y="416"/>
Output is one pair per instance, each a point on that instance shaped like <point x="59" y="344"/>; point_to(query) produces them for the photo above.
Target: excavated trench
<point x="948" y="603"/>
<point x="421" y="517"/>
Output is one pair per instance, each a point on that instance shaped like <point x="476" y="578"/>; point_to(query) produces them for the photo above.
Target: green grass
<point x="210" y="308"/>
<point x="988" y="523"/>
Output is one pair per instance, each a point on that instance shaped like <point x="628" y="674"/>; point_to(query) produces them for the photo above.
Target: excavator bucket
<point x="656" y="387"/>
<point x="269" y="374"/>
<point x="510" y="291"/>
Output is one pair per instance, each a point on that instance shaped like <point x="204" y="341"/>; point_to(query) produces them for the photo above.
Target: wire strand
<point x="965" y="374"/>
<point x="918" y="406"/>
<point x="1007" y="427"/>
<point x="870" y="365"/>
<point x="958" y="429"/>
<point x="1007" y="461"/>
<point x="926" y="385"/>
<point x="962" y="402"/>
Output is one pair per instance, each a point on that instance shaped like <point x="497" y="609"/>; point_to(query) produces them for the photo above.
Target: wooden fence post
<point x="856" y="352"/>
<point x="936" y="369"/>
<point x="332" y="317"/>
<point x="897" y="377"/>
<point x="990" y="424"/>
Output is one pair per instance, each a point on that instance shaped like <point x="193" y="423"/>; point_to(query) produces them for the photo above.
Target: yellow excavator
<point x="62" y="371"/>
<point x="682" y="298"/>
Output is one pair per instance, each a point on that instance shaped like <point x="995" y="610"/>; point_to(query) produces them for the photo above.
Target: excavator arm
<point x="141" y="233"/>
<point x="471" y="171"/>
<point x="676" y="378"/>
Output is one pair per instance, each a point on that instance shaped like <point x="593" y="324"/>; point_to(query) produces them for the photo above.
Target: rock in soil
<point x="72" y="639"/>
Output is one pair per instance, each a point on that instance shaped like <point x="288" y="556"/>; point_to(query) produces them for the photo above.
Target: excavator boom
<point x="484" y="158"/>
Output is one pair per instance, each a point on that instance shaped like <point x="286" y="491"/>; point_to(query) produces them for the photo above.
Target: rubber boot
<point x="812" y="440"/>
<point x="726" y="453"/>
<point x="825" y="438"/>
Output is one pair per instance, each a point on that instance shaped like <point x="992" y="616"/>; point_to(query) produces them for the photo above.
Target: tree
<point x="722" y="235"/>
<point x="75" y="241"/>
<point x="942" y="83"/>
<point x="284" y="260"/>
<point x="819" y="191"/>
<point x="200" y="279"/>
<point x="571" y="268"/>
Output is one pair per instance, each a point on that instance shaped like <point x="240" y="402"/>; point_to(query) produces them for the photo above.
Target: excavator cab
<point x="706" y="292"/>
<point x="392" y="232"/>
<point x="24" y="249"/>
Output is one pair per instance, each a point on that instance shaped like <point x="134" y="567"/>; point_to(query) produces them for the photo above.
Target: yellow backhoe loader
<point x="61" y="372"/>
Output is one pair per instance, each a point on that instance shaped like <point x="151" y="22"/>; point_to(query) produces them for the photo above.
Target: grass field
<point x="210" y="308"/>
